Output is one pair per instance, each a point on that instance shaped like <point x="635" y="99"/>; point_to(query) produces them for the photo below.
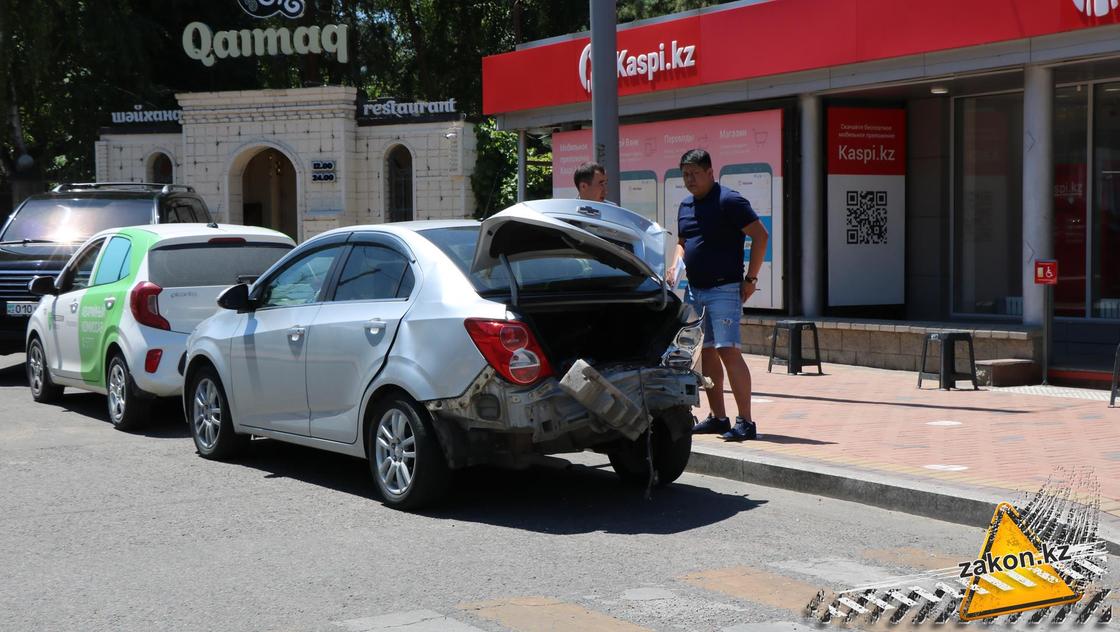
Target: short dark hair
<point x="585" y="173"/>
<point x="697" y="157"/>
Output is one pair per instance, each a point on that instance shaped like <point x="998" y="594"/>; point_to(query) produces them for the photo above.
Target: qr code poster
<point x="866" y="240"/>
<point x="866" y="213"/>
<point x="866" y="206"/>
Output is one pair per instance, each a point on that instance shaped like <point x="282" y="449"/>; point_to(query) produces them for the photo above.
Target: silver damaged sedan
<point x="427" y="347"/>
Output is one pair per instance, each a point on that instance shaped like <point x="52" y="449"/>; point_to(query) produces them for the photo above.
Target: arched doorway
<point x="160" y="169"/>
<point x="268" y="193"/>
<point x="399" y="172"/>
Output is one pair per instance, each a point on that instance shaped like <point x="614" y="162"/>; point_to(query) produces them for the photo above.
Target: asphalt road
<point x="103" y="530"/>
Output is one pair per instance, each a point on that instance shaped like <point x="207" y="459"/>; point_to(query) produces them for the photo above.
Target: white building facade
<point x="302" y="161"/>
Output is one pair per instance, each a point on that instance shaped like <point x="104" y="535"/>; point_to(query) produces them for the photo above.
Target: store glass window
<point x="1071" y="181"/>
<point x="988" y="218"/>
<point x="1105" y="231"/>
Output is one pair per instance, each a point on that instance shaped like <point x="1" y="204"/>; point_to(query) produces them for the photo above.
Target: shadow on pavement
<point x="767" y="437"/>
<point x="165" y="421"/>
<point x="567" y="499"/>
<point x="14" y="375"/>
<point x="840" y="400"/>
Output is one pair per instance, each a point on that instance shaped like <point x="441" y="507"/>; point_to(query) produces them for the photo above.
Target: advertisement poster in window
<point x="866" y="206"/>
<point x="746" y="152"/>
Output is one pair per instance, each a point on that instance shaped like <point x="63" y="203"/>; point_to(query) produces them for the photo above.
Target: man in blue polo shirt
<point x="711" y="225"/>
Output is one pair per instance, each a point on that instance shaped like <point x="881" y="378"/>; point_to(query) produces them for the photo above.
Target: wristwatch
<point x="749" y="279"/>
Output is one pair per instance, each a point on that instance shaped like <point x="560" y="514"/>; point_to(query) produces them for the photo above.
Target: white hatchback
<point x="116" y="319"/>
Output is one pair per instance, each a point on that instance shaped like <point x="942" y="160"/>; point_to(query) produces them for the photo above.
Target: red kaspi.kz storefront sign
<point x="772" y="38"/>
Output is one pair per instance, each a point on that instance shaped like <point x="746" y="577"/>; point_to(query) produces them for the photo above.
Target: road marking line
<point x="756" y="586"/>
<point x="410" y="621"/>
<point x="544" y="614"/>
<point x="911" y="557"/>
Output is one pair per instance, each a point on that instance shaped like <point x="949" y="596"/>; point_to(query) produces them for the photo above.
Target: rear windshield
<point x="574" y="272"/>
<point x="74" y="220"/>
<point x="198" y="265"/>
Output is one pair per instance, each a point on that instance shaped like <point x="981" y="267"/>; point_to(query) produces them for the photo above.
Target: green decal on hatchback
<point x="106" y="299"/>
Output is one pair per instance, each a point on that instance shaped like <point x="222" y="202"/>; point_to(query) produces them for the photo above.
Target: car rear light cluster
<point x="510" y="348"/>
<point x="151" y="360"/>
<point x="145" y="306"/>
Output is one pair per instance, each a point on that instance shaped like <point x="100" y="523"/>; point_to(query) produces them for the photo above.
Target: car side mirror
<point x="236" y="298"/>
<point x="42" y="286"/>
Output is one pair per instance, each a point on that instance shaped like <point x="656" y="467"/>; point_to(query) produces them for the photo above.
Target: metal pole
<point x="1047" y="333"/>
<point x="520" y="165"/>
<point x="604" y="92"/>
<point x="812" y="219"/>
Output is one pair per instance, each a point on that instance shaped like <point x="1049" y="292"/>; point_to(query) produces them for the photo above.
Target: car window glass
<point x="173" y="215"/>
<point x="543" y="271"/>
<point x="301" y="281"/>
<point x="201" y="215"/>
<point x="114" y="262"/>
<point x="372" y="273"/>
<point x="70" y="220"/>
<point x="185" y="212"/>
<point x="82" y="268"/>
<point x="203" y="264"/>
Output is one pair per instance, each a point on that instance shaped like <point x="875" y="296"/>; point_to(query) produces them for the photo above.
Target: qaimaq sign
<point x="866" y="206"/>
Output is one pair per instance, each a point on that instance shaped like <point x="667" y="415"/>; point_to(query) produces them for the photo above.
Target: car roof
<point x="175" y="231"/>
<point x="105" y="194"/>
<point x="405" y="227"/>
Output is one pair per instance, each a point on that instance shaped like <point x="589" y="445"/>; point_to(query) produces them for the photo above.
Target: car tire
<point x="43" y="389"/>
<point x="670" y="456"/>
<point x="127" y="409"/>
<point x="209" y="417"/>
<point x="407" y="478"/>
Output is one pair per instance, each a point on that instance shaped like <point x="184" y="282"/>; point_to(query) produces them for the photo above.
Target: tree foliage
<point x="66" y="64"/>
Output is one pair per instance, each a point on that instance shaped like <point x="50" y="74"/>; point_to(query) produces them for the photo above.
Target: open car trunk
<point x="604" y="333"/>
<point x="585" y="276"/>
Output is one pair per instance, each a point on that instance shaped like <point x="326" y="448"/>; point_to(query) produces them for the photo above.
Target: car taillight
<point x="510" y="348"/>
<point x="151" y="360"/>
<point x="145" y="305"/>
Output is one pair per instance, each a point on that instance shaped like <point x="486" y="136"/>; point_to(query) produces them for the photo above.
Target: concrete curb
<point x="939" y="500"/>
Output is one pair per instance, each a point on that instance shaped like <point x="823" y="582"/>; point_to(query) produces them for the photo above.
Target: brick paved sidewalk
<point x="877" y="420"/>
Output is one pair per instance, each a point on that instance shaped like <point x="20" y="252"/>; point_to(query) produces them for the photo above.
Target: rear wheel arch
<point x="379" y="395"/>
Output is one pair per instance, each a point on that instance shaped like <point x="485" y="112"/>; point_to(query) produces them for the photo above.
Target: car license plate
<point x="20" y="308"/>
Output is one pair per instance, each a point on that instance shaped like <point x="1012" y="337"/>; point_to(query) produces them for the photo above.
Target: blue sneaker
<point x="743" y="431"/>
<point x="712" y="425"/>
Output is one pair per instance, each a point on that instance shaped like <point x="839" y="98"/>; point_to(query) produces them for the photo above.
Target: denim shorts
<point x="722" y="312"/>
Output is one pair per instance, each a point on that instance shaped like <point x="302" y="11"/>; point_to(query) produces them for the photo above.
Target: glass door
<point x="1105" y="230"/>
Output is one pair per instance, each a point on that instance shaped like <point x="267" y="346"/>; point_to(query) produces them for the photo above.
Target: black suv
<point x="42" y="233"/>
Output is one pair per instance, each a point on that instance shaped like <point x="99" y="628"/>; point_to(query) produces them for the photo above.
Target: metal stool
<point x="948" y="376"/>
<point x="793" y="360"/>
<point x="1115" y="378"/>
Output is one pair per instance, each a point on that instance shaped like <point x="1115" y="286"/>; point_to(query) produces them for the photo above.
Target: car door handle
<point x="74" y="307"/>
<point x="375" y="326"/>
<point x="110" y="302"/>
<point x="295" y="334"/>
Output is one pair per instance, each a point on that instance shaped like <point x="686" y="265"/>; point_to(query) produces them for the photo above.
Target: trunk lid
<point x="186" y="307"/>
<point x="193" y="273"/>
<point x="607" y="233"/>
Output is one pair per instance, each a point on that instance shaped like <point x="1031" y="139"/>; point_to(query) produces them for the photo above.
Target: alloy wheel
<point x="35" y="363"/>
<point x="395" y="451"/>
<point x="206" y="413"/>
<point x="117" y="392"/>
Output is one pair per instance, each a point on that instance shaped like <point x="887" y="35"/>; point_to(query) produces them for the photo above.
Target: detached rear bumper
<point x="617" y="400"/>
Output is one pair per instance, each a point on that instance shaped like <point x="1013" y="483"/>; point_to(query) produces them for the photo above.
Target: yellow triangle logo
<point x="1011" y="574"/>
